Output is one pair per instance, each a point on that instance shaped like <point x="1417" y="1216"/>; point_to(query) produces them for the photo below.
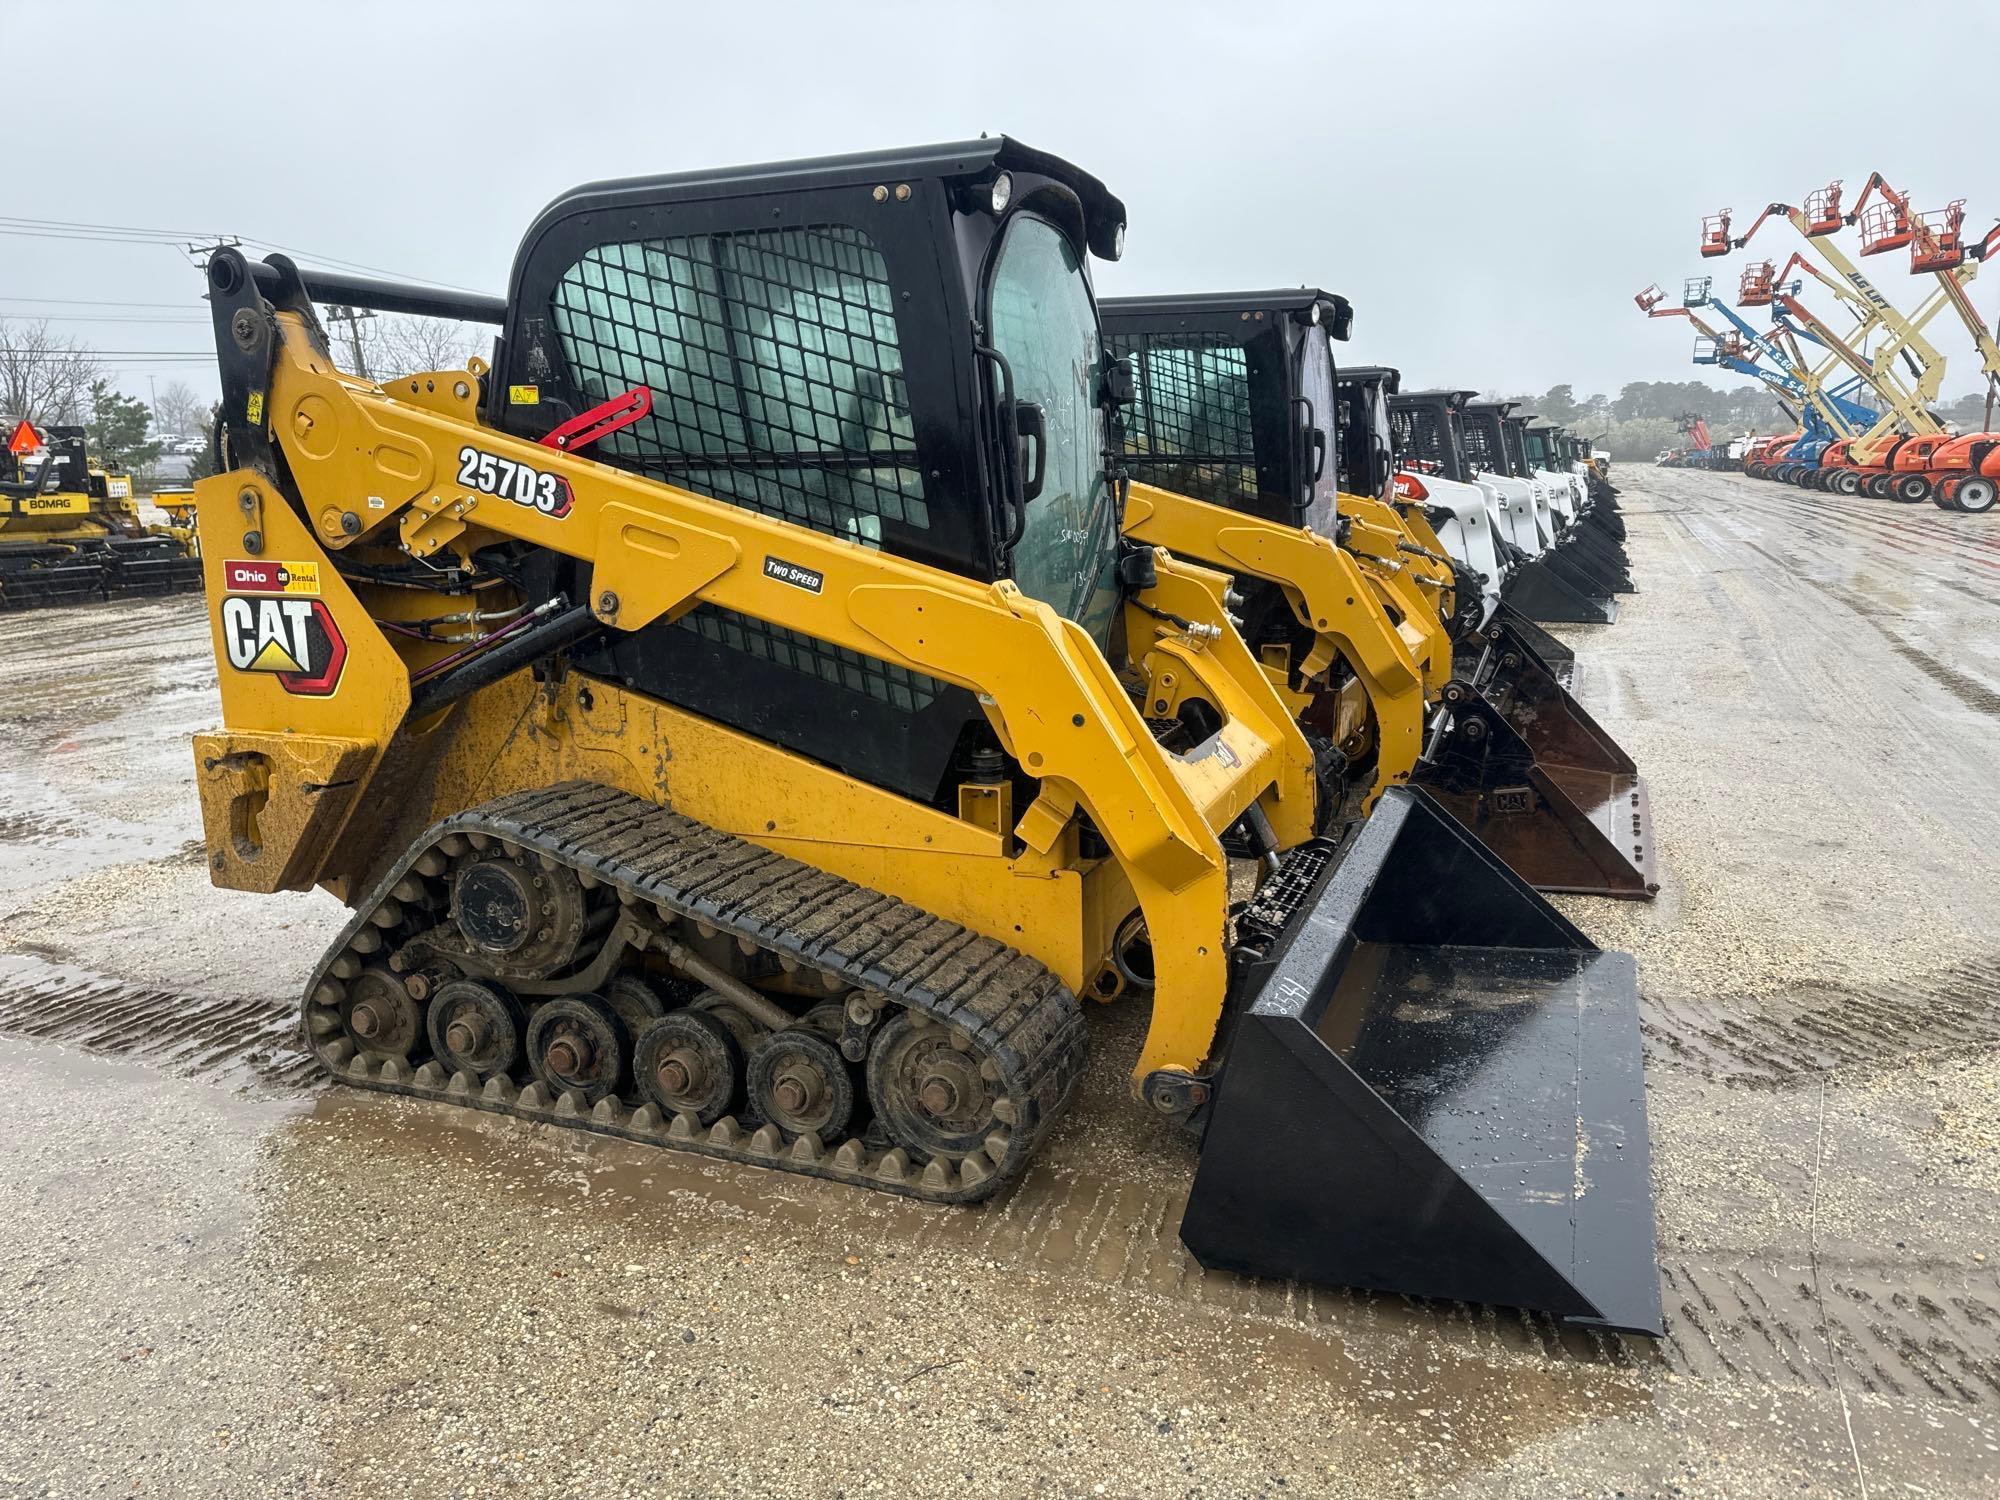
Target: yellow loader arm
<point x="1330" y="593"/>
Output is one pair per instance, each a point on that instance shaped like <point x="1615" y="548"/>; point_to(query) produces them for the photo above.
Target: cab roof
<point x="951" y="162"/>
<point x="1335" y="310"/>
<point x="1387" y="376"/>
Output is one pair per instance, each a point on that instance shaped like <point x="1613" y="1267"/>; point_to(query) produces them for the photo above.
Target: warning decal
<point x="296" y="639"/>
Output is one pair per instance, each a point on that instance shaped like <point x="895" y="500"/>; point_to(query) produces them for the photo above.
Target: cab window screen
<point x="1418" y="435"/>
<point x="777" y="383"/>
<point x="1190" y="429"/>
<point x="776" y="373"/>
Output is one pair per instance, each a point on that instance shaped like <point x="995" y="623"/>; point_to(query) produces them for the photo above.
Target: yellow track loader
<point x="1237" y="407"/>
<point x="739" y="726"/>
<point x="70" y="532"/>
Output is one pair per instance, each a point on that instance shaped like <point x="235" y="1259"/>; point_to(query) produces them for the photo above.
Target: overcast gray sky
<point x="1489" y="183"/>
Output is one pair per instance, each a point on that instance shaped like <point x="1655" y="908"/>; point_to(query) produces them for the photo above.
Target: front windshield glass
<point x="1045" y="323"/>
<point x="1317" y="386"/>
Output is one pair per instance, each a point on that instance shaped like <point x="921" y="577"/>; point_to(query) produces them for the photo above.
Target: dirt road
<point x="222" y="1277"/>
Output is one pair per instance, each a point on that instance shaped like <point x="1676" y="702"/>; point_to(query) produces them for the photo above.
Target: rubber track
<point x="1020" y="1013"/>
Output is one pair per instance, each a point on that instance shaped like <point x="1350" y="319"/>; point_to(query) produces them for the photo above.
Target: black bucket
<point x="1554" y="655"/>
<point x="1524" y="766"/>
<point x="1548" y="598"/>
<point x="1604" y="560"/>
<point x="1583" y="574"/>
<point x="1436" y="1090"/>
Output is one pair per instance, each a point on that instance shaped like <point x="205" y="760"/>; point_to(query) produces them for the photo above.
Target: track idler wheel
<point x="932" y="1091"/>
<point x="380" y="1018"/>
<point x="526" y="915"/>
<point x="799" y="1082"/>
<point x="577" y="1044"/>
<point x="688" y="1063"/>
<point x="476" y="1028"/>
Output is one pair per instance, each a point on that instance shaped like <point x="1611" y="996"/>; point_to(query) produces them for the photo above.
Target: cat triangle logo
<point x="275" y="658"/>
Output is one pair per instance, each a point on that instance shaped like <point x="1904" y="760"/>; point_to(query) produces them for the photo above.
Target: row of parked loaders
<point x="828" y="650"/>
<point x="1954" y="471"/>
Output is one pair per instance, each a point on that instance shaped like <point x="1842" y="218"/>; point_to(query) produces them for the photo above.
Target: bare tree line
<point x="393" y="344"/>
<point x="44" y="376"/>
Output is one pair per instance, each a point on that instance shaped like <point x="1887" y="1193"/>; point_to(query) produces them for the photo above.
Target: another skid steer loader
<point x="1461" y="520"/>
<point x="1543" y="586"/>
<point x="71" y="533"/>
<point x="1238" y="405"/>
<point x="739" y="726"/>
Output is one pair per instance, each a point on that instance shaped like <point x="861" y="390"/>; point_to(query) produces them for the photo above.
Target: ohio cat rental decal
<point x="282" y="626"/>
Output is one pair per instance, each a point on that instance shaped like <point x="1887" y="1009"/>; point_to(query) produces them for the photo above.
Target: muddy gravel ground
<point x="220" y="1276"/>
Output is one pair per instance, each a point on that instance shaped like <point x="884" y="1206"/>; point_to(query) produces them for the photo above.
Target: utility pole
<point x="353" y="317"/>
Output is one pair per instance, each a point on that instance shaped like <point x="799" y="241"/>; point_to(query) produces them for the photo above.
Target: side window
<point x="1480" y="452"/>
<point x="776" y="373"/>
<point x="777" y="382"/>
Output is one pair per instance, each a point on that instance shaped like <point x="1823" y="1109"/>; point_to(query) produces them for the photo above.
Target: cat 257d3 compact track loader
<point x="739" y="726"/>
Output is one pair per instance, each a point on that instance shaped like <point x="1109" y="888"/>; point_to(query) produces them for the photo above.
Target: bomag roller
<point x="71" y="533"/>
<point x="1241" y="415"/>
<point x="739" y="726"/>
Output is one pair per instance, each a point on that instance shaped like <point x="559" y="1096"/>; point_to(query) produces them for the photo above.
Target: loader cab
<point x="1366" y="443"/>
<point x="901" y="349"/>
<point x="1427" y="430"/>
<point x="1236" y="398"/>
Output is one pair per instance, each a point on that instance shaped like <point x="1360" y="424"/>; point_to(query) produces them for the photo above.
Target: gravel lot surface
<point x="220" y="1276"/>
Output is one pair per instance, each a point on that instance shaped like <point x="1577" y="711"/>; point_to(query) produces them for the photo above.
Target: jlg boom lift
<point x="739" y="726"/>
<point x="1817" y="221"/>
<point x="1957" y="472"/>
<point x="1239" y="409"/>
<point x="1827" y="415"/>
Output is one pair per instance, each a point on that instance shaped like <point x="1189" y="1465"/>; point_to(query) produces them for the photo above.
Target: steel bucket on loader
<point x="1435" y="1090"/>
<point x="1553" y="654"/>
<point x="1548" y="597"/>
<point x="1524" y="766"/>
<point x="1583" y="573"/>
<point x="1592" y="555"/>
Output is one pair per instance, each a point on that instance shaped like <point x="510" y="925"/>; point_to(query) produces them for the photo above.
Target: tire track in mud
<point x="1905" y="1331"/>
<point x="1779" y="1041"/>
<point x="1971" y="541"/>
<point x="1754" y="1322"/>
<point x="232" y="1038"/>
